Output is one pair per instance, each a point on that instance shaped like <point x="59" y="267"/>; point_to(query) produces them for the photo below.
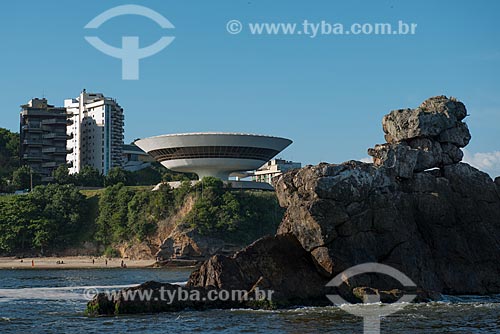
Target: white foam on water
<point x="64" y="293"/>
<point x="56" y="293"/>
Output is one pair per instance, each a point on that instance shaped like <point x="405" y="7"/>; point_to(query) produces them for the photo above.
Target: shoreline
<point x="72" y="262"/>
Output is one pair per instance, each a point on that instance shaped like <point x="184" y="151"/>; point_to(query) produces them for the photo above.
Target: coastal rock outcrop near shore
<point x="417" y="208"/>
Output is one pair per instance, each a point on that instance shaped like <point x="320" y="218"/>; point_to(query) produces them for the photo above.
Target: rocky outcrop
<point x="136" y="251"/>
<point x="275" y="263"/>
<point x="190" y="245"/>
<point x="441" y="228"/>
<point x="267" y="274"/>
<point x="423" y="138"/>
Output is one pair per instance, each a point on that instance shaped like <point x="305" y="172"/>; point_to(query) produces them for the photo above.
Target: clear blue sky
<point x="328" y="94"/>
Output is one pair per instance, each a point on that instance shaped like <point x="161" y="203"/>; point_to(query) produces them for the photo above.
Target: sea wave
<point x="58" y="293"/>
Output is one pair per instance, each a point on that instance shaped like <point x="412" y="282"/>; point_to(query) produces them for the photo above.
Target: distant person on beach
<point x="106" y="262"/>
<point x="32" y="263"/>
<point x="122" y="264"/>
<point x="93" y="261"/>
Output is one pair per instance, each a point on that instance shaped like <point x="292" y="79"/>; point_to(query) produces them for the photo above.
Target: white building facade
<point x="96" y="132"/>
<point x="274" y="168"/>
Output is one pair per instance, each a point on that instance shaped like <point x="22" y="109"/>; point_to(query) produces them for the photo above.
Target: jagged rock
<point x="458" y="136"/>
<point x="276" y="263"/>
<point x="163" y="297"/>
<point x="136" y="251"/>
<point x="401" y="158"/>
<point x="434" y="117"/>
<point x="441" y="228"/>
<point x="188" y="244"/>
<point x="427" y="137"/>
<point x="444" y="105"/>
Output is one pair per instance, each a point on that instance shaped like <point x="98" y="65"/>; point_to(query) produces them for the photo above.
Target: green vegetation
<point x="90" y="177"/>
<point x="49" y="217"/>
<point x="9" y="157"/>
<point x="55" y="217"/>
<point x="234" y="216"/>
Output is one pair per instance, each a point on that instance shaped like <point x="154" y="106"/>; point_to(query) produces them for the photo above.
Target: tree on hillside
<point x="52" y="216"/>
<point x="113" y="214"/>
<point x="9" y="152"/>
<point x="64" y="207"/>
<point x="15" y="219"/>
<point x="22" y="177"/>
<point x="89" y="177"/>
<point x="116" y="175"/>
<point x="62" y="176"/>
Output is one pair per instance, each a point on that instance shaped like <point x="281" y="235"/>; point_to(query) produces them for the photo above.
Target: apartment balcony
<point x="32" y="128"/>
<point x="56" y="150"/>
<point x="51" y="164"/>
<point x="55" y="121"/>
<point x="32" y="157"/>
<point x="57" y="136"/>
<point x="32" y="142"/>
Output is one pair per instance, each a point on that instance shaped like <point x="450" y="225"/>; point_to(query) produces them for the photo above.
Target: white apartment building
<point x="273" y="168"/>
<point x="96" y="132"/>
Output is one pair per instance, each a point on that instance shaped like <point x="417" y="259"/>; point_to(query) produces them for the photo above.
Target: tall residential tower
<point x="43" y="137"/>
<point x="96" y="132"/>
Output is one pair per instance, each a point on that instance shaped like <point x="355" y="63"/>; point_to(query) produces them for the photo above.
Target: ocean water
<point x="52" y="301"/>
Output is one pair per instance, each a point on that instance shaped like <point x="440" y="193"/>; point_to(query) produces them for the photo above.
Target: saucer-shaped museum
<point x="213" y="153"/>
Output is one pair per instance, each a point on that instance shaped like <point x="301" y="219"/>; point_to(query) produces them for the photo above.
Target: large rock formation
<point x="440" y="227"/>
<point x="423" y="138"/>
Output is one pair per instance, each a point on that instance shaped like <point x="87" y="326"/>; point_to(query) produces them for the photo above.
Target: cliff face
<point x="441" y="227"/>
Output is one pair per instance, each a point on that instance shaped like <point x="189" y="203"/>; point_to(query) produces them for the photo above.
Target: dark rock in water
<point x="269" y="273"/>
<point x="440" y="228"/>
<point x="161" y="297"/>
<point x="276" y="263"/>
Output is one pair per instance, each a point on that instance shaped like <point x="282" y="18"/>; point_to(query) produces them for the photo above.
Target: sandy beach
<point x="75" y="262"/>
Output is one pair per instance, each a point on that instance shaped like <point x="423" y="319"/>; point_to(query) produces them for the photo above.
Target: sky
<point x="328" y="93"/>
